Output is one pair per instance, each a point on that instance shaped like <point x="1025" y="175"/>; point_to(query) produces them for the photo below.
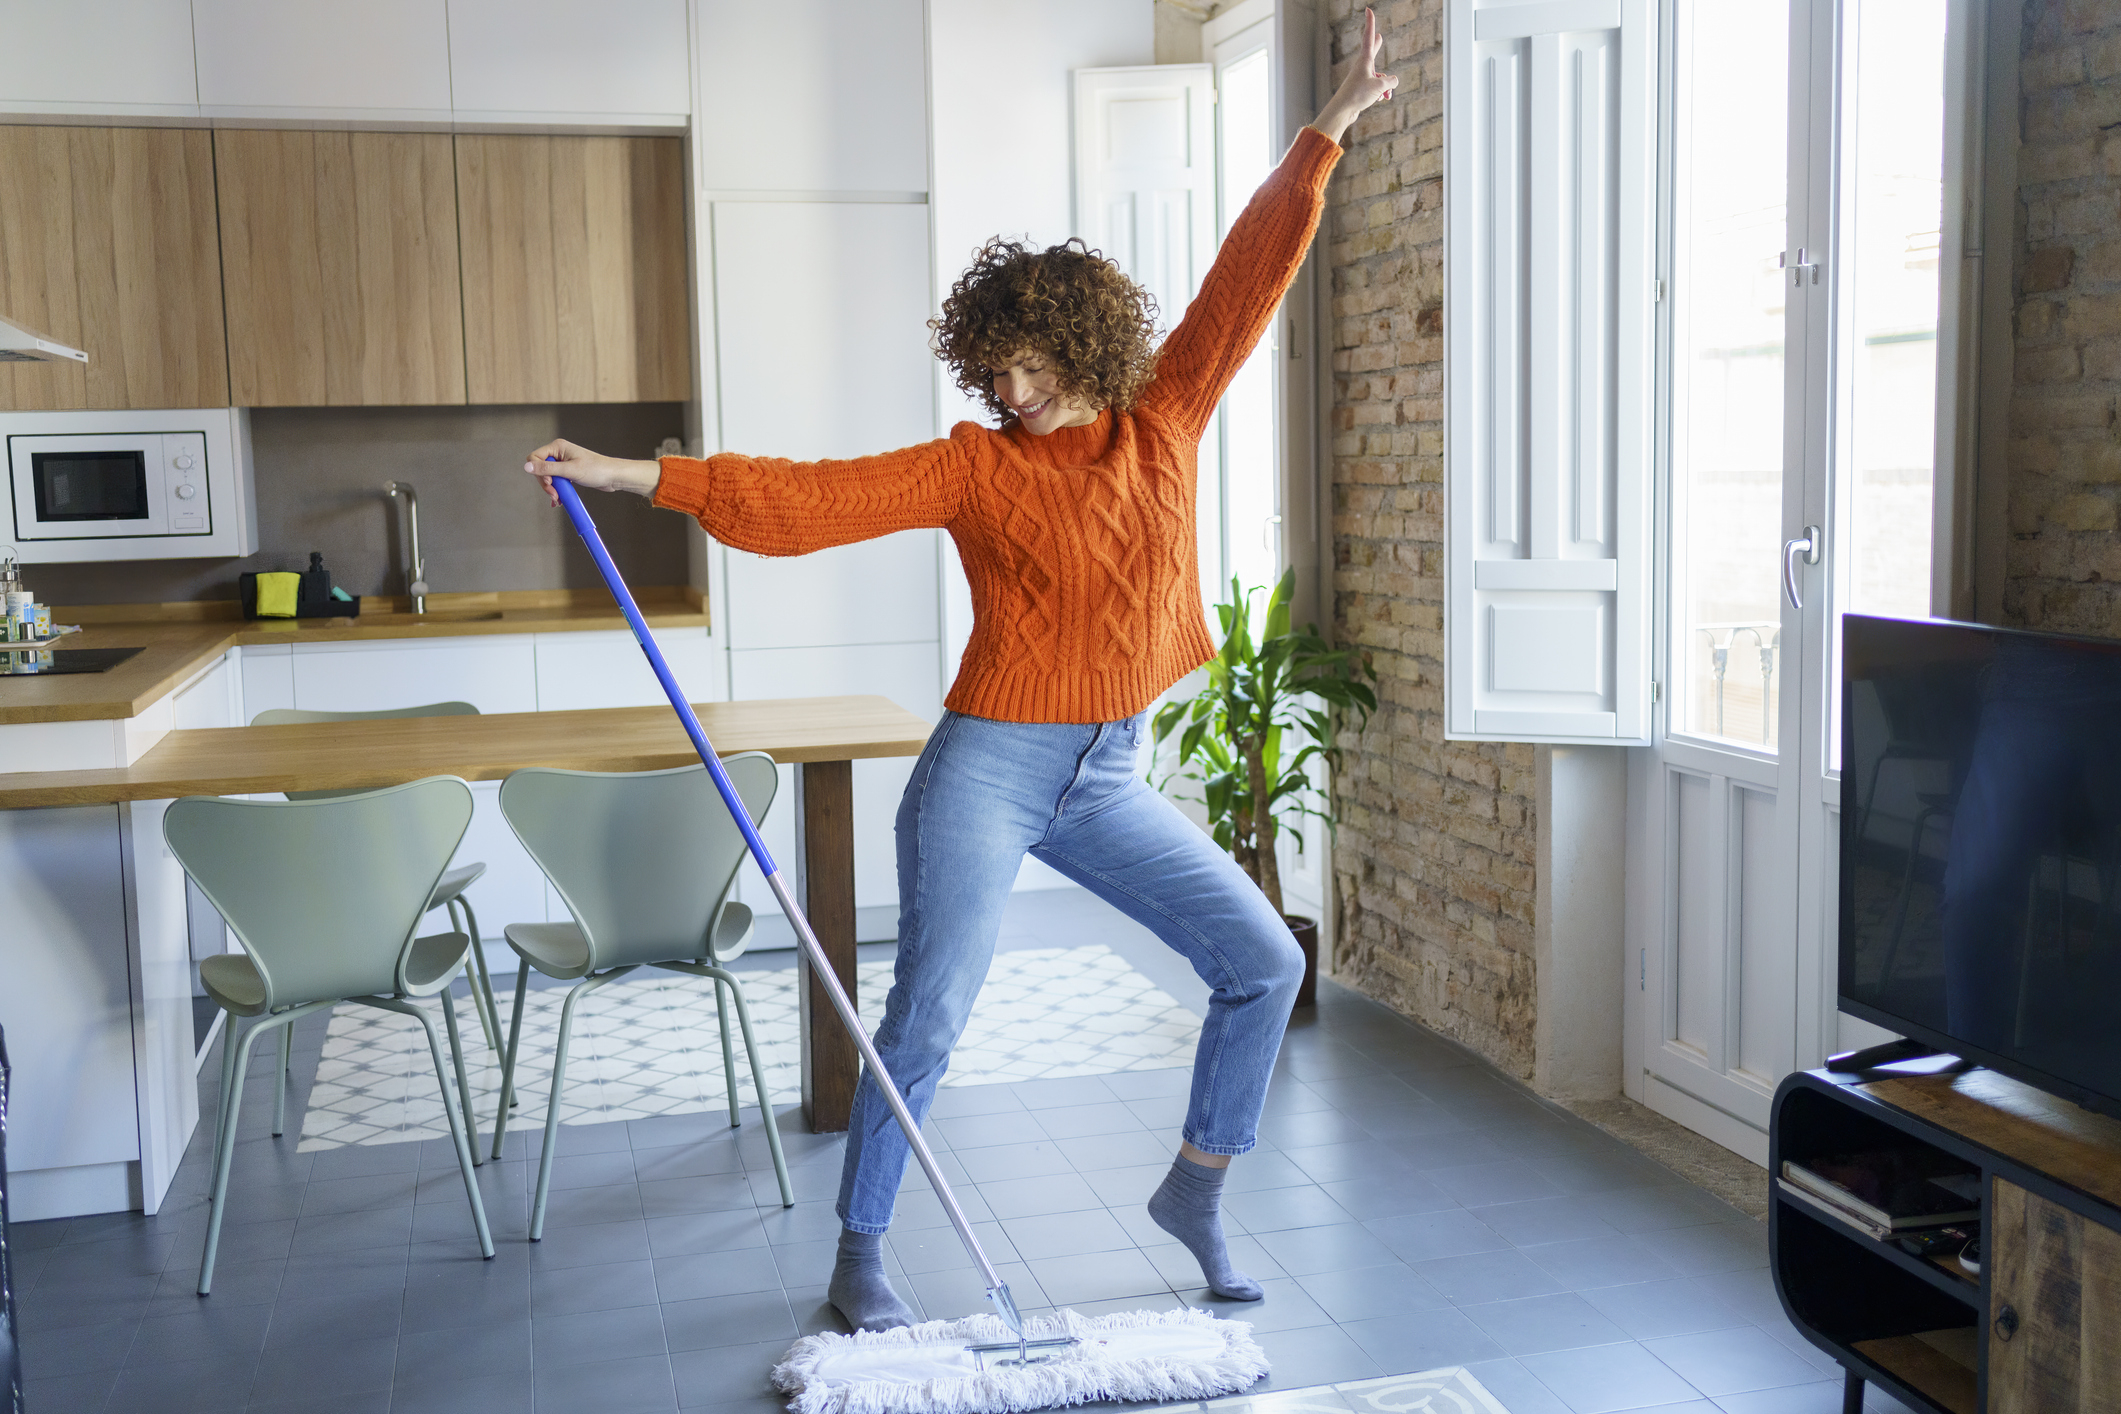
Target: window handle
<point x="1798" y="266"/>
<point x="1791" y="549"/>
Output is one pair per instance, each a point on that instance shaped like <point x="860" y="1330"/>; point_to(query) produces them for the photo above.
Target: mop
<point x="982" y="1364"/>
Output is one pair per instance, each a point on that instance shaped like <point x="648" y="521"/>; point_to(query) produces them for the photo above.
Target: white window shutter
<point x="1145" y="175"/>
<point x="1548" y="260"/>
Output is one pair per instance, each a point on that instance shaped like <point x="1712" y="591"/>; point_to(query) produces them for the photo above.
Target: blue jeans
<point x="983" y="795"/>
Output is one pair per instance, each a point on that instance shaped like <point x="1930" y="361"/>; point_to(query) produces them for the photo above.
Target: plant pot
<point x="1306" y="933"/>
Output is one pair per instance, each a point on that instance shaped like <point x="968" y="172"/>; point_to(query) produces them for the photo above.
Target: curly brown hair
<point x="1095" y="327"/>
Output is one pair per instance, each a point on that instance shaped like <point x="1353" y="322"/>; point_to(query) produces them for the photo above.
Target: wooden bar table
<point x="820" y="736"/>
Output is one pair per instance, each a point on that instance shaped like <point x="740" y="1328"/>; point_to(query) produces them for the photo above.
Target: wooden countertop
<point x="182" y="640"/>
<point x="365" y="755"/>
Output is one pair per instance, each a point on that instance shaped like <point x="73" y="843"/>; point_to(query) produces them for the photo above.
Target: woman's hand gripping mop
<point x="982" y="1364"/>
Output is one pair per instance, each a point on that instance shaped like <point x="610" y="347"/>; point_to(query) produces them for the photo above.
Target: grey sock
<point x="1189" y="1207"/>
<point x="860" y="1290"/>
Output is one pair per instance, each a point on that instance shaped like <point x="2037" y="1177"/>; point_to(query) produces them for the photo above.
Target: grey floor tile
<point x="1678" y="1306"/>
<point x="988" y="1130"/>
<point x="1535" y="1324"/>
<point x="1649" y="1209"/>
<point x="685" y="1160"/>
<point x="935" y="1248"/>
<point x="1339" y="1247"/>
<point x="607" y="1286"/>
<point x="1544" y="1220"/>
<point x="955" y="1101"/>
<point x="1066" y="1092"/>
<point x="1420" y="1237"/>
<point x="1503" y="1181"/>
<point x="1283" y="1305"/>
<point x="919" y="1207"/>
<point x="1127" y="1186"/>
<point x="1025" y="1159"/>
<point x="1423" y="1341"/>
<point x="204" y="1333"/>
<point x="1132" y="1149"/>
<point x="183" y="1387"/>
<point x="463" y="1352"/>
<point x="1096" y="1277"/>
<point x="1716" y="1247"/>
<point x="1051" y="1193"/>
<point x="590" y="1244"/>
<point x="641" y="1385"/>
<point x="956" y="1292"/>
<point x="703" y="1193"/>
<point x="367" y="1402"/>
<point x="1518" y="1388"/>
<point x="1314" y="1355"/>
<point x="1750" y="1291"/>
<point x="325" y="1316"/>
<point x="1178" y="1266"/>
<point x="1066" y="1235"/>
<point x="728" y="1320"/>
<point x="1149" y="1084"/>
<point x="483" y="1394"/>
<point x="1479" y="1277"/>
<point x="1273" y="1209"/>
<point x="805" y="1222"/>
<point x="726" y="1374"/>
<point x="364" y="1231"/>
<point x="1311" y="1129"/>
<point x="1262" y="1168"/>
<point x="1732" y="1361"/>
<point x="1388" y="1195"/>
<point x="80" y="1350"/>
<point x="587" y="1337"/>
<point x="603" y="1204"/>
<point x="726" y="1273"/>
<point x="1603" y="1379"/>
<point x="704" y="1232"/>
<point x="1364" y="1293"/>
<point x="1819" y="1397"/>
<point x="1600" y="1261"/>
<point x="593" y="1170"/>
<point x="340" y="1366"/>
<point x="1082" y="1121"/>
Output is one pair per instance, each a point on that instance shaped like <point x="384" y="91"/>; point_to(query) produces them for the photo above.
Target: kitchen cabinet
<point x="378" y="61"/>
<point x="107" y="244"/>
<point x="582" y="670"/>
<point x="851" y="115"/>
<point x="493" y="674"/>
<point x="128" y="58"/>
<point x="574" y="269"/>
<point x="340" y="253"/>
<point x="622" y="64"/>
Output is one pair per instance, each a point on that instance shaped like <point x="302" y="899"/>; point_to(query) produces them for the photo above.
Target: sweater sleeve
<point x="1254" y="269"/>
<point x="771" y="506"/>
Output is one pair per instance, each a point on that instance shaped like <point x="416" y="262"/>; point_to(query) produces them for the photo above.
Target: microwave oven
<point x="129" y="485"/>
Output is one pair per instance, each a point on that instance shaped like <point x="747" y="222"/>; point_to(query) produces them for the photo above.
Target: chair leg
<point x="456" y="1055"/>
<point x="479" y="977"/>
<point x="508" y="1058"/>
<point x="449" y="1109"/>
<point x="580" y="990"/>
<point x="279" y="1092"/>
<point x="225" y="1149"/>
<point x="758" y="1084"/>
<point x="228" y="1075"/>
<point x="721" y="1015"/>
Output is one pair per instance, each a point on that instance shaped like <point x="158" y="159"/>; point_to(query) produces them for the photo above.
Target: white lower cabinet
<point x="496" y="673"/>
<point x="583" y="670"/>
<point x="907" y="673"/>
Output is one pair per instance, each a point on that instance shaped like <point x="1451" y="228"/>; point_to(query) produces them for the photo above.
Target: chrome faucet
<point x="416" y="570"/>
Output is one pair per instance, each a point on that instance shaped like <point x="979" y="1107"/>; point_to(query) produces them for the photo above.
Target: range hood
<point x="21" y="345"/>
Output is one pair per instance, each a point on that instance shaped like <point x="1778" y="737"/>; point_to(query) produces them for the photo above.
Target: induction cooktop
<point x="42" y="662"/>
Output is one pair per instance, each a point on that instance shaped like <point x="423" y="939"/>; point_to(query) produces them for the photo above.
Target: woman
<point x="1074" y="522"/>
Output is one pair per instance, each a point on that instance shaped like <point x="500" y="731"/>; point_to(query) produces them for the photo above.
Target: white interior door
<point x="1802" y="180"/>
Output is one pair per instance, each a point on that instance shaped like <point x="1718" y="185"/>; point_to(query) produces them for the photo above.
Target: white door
<point x="1802" y="203"/>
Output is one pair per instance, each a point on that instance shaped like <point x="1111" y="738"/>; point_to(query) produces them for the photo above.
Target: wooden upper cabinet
<point x="107" y="244"/>
<point x="574" y="269"/>
<point x="340" y="253"/>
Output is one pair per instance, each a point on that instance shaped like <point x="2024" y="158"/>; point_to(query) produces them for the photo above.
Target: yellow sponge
<point x="278" y="593"/>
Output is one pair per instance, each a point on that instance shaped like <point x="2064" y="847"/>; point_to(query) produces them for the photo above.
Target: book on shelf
<point x="1889" y="1190"/>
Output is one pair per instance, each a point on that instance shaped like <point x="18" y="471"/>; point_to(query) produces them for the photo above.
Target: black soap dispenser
<point x="316" y="598"/>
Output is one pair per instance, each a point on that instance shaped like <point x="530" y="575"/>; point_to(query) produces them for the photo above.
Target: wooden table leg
<point x="824" y="882"/>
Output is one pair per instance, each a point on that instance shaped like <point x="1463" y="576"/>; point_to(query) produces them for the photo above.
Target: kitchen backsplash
<point x="483" y="525"/>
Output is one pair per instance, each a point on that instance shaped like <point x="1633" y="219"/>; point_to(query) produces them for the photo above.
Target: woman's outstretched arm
<point x="772" y="506"/>
<point x="1260" y="256"/>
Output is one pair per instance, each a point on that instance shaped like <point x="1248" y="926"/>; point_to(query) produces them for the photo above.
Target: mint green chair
<point x="644" y="861"/>
<point x="326" y="897"/>
<point x="449" y="890"/>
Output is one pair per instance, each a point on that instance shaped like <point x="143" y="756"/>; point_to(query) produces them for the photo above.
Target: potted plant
<point x="1262" y="696"/>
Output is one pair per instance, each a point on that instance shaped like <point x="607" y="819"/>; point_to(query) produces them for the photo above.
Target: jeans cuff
<point x="866" y="1229"/>
<point x="1233" y="1150"/>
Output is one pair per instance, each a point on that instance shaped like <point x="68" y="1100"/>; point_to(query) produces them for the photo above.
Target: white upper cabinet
<point x="382" y="60"/>
<point x="569" y="62"/>
<point x="125" y="57"/>
<point x="813" y="96"/>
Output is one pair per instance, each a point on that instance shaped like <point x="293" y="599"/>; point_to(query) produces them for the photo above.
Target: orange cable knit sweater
<point x="1080" y="545"/>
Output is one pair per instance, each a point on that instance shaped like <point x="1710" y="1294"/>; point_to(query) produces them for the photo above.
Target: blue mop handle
<point x="571" y="502"/>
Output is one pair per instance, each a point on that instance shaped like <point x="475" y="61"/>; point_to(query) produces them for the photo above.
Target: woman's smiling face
<point x="1032" y="390"/>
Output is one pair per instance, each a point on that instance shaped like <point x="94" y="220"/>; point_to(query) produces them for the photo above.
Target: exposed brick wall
<point x="2064" y="566"/>
<point x="1434" y="858"/>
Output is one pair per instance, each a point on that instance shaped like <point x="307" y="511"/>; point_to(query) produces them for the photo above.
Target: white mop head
<point x="925" y="1369"/>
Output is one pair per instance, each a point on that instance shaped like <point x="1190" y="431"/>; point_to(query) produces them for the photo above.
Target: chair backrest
<point x="288" y="716"/>
<point x="643" y="858"/>
<point x="324" y="894"/>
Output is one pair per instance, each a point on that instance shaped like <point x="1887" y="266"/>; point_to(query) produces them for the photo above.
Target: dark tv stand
<point x="1883" y="1054"/>
<point x="2035" y="1332"/>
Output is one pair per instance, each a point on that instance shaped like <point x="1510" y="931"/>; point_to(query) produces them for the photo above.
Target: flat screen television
<point x="1981" y="847"/>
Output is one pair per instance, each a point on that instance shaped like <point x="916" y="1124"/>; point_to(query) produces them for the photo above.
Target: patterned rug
<point x="649" y="1045"/>
<point x="1451" y="1390"/>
